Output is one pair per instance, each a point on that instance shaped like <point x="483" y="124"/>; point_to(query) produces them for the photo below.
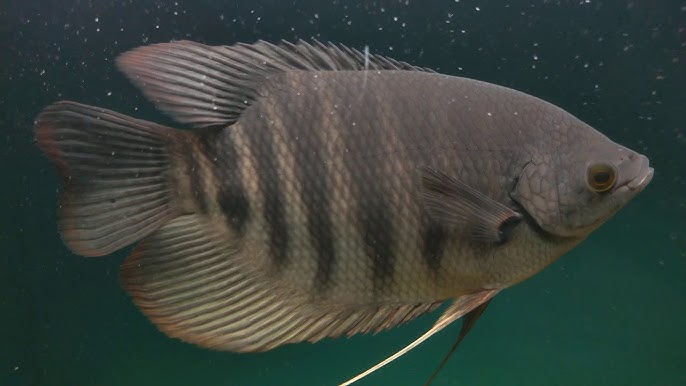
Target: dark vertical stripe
<point x="220" y="150"/>
<point x="197" y="185"/>
<point x="433" y="238"/>
<point x="310" y="169"/>
<point x="377" y="230"/>
<point x="261" y="142"/>
<point x="419" y="141"/>
<point x="366" y="161"/>
<point x="315" y="197"/>
<point x="320" y="232"/>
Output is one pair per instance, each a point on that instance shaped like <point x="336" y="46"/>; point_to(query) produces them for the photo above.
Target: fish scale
<point x="366" y="149"/>
<point x="323" y="191"/>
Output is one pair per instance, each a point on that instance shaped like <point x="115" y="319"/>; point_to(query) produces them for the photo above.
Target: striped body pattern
<point x="322" y="191"/>
<point x="332" y="192"/>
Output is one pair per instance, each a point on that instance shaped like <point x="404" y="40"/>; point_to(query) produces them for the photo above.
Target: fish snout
<point x="643" y="175"/>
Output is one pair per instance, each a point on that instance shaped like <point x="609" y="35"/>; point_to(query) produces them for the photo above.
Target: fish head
<point x="572" y="192"/>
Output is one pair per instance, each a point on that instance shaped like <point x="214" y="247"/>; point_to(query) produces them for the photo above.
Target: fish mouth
<point x="644" y="176"/>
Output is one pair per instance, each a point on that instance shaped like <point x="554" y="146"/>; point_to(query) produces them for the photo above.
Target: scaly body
<point x="325" y="192"/>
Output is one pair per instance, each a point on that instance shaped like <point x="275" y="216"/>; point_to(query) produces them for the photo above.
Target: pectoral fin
<point x="465" y="209"/>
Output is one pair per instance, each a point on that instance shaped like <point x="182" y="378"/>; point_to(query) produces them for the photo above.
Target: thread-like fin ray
<point x="461" y="207"/>
<point x="211" y="85"/>
<point x="460" y="307"/>
<point x="114" y="174"/>
<point x="198" y="285"/>
<point x="468" y="322"/>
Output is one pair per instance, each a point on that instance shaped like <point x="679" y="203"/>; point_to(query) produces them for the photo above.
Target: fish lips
<point x="631" y="187"/>
<point x="643" y="177"/>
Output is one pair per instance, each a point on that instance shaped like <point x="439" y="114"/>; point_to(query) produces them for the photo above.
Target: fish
<point x="318" y="191"/>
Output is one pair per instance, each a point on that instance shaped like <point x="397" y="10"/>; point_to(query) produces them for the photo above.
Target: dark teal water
<point x="611" y="312"/>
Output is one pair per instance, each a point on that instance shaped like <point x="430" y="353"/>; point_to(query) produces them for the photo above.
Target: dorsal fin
<point x="211" y="85"/>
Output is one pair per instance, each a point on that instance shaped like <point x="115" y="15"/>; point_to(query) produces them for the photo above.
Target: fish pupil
<point x="601" y="178"/>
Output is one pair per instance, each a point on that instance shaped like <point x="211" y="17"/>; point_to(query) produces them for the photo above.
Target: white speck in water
<point x="477" y="8"/>
<point x="109" y="93"/>
<point x="395" y="18"/>
<point x="489" y="114"/>
<point x="97" y="19"/>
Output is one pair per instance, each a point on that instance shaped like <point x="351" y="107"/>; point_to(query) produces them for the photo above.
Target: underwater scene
<point x="326" y="181"/>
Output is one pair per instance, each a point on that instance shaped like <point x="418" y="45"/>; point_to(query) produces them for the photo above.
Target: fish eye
<point x="601" y="177"/>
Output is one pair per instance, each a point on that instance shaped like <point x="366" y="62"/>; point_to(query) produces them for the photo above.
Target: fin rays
<point x="197" y="286"/>
<point x="211" y="85"/>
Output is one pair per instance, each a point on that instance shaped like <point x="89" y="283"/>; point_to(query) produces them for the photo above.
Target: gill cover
<point x="536" y="192"/>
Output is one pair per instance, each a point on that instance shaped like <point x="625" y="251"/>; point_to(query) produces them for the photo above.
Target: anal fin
<point x="199" y="284"/>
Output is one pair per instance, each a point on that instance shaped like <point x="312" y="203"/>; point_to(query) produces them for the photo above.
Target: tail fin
<point x="116" y="172"/>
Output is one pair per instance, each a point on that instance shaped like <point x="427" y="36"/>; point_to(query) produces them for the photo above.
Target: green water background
<point x="611" y="312"/>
